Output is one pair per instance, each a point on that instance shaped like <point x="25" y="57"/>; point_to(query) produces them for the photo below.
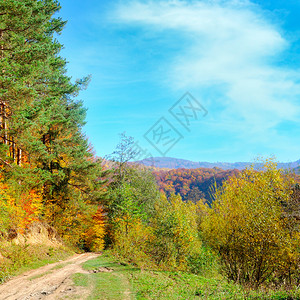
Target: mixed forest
<point x="192" y="184"/>
<point x="243" y="225"/>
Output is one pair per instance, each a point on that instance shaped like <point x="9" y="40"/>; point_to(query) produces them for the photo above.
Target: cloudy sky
<point x="239" y="60"/>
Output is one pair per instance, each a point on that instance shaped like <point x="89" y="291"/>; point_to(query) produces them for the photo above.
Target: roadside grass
<point x="81" y="279"/>
<point x="106" y="285"/>
<point x="43" y="256"/>
<point x="18" y="259"/>
<point x="124" y="281"/>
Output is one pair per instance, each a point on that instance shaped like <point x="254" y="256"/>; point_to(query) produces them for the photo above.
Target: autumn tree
<point x="95" y="233"/>
<point x="191" y="184"/>
<point x="247" y="227"/>
<point x="175" y="229"/>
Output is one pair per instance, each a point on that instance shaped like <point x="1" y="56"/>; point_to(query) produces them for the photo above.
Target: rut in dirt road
<point x="49" y="282"/>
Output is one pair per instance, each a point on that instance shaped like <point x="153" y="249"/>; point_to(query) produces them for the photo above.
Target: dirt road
<point x="49" y="282"/>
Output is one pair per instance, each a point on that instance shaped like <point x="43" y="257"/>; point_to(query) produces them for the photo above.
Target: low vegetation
<point x="114" y="279"/>
<point x="16" y="259"/>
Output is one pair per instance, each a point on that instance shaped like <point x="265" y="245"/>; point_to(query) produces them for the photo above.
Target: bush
<point x="247" y="227"/>
<point x="203" y="263"/>
<point x="176" y="235"/>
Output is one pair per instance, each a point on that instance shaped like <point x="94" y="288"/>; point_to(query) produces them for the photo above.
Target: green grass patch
<point x="129" y="282"/>
<point x="107" y="285"/>
<point x="81" y="279"/>
<point x="179" y="285"/>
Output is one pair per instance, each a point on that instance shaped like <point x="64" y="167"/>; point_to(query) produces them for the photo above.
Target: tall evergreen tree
<point x="42" y="144"/>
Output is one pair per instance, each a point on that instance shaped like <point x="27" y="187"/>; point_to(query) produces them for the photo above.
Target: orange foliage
<point x="95" y="234"/>
<point x="31" y="205"/>
<point x="184" y="181"/>
<point x="18" y="210"/>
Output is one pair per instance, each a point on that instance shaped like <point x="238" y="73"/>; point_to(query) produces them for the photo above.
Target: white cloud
<point x="233" y="44"/>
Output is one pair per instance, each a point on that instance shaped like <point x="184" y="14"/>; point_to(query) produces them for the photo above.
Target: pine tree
<point x="42" y="145"/>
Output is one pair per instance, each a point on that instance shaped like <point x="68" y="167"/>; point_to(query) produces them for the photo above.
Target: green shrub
<point x="203" y="262"/>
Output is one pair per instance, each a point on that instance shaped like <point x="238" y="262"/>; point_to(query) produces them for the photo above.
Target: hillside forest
<point x="192" y="184"/>
<point x="242" y="225"/>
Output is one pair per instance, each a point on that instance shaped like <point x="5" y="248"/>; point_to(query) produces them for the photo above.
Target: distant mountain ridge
<point x="176" y="163"/>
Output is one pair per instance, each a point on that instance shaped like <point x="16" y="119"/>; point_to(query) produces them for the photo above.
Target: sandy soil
<point x="49" y="282"/>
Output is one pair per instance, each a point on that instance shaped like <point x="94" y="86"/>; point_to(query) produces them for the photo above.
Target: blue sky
<point x="240" y="60"/>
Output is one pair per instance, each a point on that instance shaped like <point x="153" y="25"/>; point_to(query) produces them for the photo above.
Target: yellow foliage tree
<point x="18" y="209"/>
<point x="247" y="227"/>
<point x="132" y="238"/>
<point x="176" y="234"/>
<point x="95" y="234"/>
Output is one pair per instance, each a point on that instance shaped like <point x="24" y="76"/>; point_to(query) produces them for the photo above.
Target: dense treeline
<point x="250" y="232"/>
<point x="48" y="171"/>
<point x="192" y="184"/>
